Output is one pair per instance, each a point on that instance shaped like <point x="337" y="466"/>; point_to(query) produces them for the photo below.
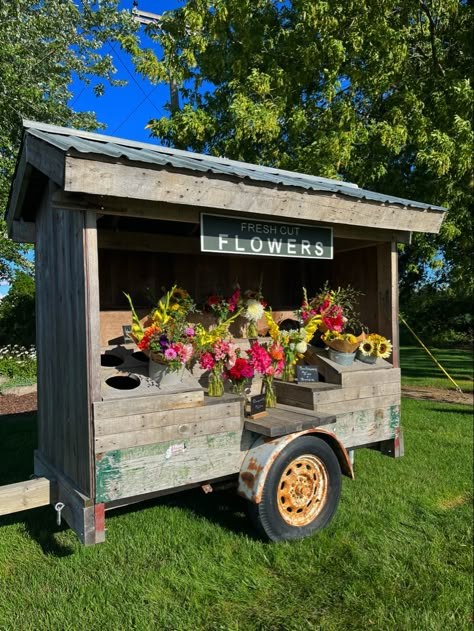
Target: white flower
<point x="301" y="347"/>
<point x="254" y="310"/>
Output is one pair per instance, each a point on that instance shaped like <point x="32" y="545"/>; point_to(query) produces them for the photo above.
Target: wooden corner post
<point x="387" y="296"/>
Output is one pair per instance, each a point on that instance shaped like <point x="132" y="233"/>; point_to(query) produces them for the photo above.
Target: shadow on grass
<point x="18" y="440"/>
<point x="416" y="363"/>
<point x="224" y="508"/>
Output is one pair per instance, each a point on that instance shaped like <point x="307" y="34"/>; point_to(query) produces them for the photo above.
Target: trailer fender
<point x="264" y="451"/>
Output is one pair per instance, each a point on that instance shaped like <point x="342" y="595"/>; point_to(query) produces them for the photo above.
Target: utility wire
<point x="133" y="78"/>
<point x="132" y="112"/>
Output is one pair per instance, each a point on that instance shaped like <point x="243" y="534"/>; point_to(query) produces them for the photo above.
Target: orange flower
<point x="276" y="352"/>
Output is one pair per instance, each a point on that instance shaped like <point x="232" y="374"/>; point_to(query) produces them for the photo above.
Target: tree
<point x="376" y="92"/>
<point x="17" y="312"/>
<point x="44" y="44"/>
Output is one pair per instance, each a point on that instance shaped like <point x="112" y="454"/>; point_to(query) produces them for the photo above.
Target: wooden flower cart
<point x="108" y="215"/>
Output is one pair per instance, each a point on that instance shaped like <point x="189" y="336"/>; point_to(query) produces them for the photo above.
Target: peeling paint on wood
<point x="138" y="470"/>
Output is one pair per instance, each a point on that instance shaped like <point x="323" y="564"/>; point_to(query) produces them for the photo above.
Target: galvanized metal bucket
<point x="164" y="376"/>
<point x="344" y="359"/>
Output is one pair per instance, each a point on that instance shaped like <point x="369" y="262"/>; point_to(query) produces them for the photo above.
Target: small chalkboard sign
<point x="257" y="404"/>
<point x="307" y="374"/>
<point x="127" y="329"/>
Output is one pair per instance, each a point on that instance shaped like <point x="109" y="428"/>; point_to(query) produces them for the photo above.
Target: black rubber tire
<point x="266" y="514"/>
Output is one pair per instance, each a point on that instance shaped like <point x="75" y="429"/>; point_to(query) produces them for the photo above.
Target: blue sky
<point x="128" y="109"/>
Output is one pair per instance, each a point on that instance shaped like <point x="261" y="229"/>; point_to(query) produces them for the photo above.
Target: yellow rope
<point x="429" y="353"/>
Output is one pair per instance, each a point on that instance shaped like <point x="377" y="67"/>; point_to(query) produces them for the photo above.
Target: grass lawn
<point x="398" y="554"/>
<point x="418" y="369"/>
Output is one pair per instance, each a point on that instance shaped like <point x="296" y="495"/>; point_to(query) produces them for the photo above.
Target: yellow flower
<point x="367" y="347"/>
<point x="272" y="326"/>
<point x="384" y="349"/>
<point x="311" y="326"/>
<point x="180" y="294"/>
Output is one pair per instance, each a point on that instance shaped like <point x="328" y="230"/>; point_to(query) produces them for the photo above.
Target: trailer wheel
<point x="301" y="491"/>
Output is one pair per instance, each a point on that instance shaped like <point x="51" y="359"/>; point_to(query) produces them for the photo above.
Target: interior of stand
<point x="141" y="256"/>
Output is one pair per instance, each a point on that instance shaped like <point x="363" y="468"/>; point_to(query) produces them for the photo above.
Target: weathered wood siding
<point x="168" y="448"/>
<point x="144" y="469"/>
<point x="62" y="334"/>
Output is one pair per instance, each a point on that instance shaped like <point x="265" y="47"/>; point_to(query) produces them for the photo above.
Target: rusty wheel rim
<point x="302" y="490"/>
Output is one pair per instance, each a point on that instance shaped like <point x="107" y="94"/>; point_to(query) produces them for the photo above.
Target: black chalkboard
<point x="307" y="374"/>
<point x="257" y="404"/>
<point x="127" y="329"/>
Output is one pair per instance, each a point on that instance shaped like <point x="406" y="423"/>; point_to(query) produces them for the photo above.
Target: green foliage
<point x="44" y="44"/>
<point x="17" y="312"/>
<point x="378" y="93"/>
<point x="18" y="362"/>
<point x="440" y="316"/>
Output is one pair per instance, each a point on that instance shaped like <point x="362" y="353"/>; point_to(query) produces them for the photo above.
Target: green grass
<point x="396" y="556"/>
<point x="14" y="382"/>
<point x="418" y="369"/>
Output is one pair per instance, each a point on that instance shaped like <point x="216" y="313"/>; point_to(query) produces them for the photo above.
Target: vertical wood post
<point x="387" y="296"/>
<point x="92" y="318"/>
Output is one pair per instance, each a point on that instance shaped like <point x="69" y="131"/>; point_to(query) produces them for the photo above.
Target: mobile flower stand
<point x="110" y="215"/>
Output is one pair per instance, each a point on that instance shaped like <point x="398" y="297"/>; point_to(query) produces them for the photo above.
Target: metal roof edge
<point x="133" y="144"/>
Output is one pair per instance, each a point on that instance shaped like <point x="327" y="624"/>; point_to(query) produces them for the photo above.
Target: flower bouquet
<point x="293" y="342"/>
<point x="372" y="347"/>
<point x="216" y="353"/>
<point x="221" y="307"/>
<point x="239" y="373"/>
<point x="336" y="308"/>
<point x="167" y="340"/>
<point x="268" y="361"/>
<point x="218" y="356"/>
<point x="342" y="346"/>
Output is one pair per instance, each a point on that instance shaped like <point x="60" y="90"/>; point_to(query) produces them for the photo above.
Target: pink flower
<point x="189" y="331"/>
<point x="207" y="361"/>
<point x="170" y="353"/>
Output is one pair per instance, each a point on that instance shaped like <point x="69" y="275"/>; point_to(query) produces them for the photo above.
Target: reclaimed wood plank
<point x="282" y="422"/>
<point x="63" y="401"/>
<point x="166" y="433"/>
<point x="136" y="422"/>
<point x="367" y="426"/>
<point x="308" y="398"/>
<point x="215" y="191"/>
<point x="143" y="405"/>
<point x="355" y="405"/>
<point x="148" y="468"/>
<point x="25" y="495"/>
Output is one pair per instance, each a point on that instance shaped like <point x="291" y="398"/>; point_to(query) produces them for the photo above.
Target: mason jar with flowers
<point x="217" y="357"/>
<point x="267" y="360"/>
<point x="239" y="373"/>
<point x="254" y="305"/>
<point x="294" y="342"/>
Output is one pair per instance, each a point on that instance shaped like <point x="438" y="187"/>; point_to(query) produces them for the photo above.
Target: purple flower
<point x="164" y="342"/>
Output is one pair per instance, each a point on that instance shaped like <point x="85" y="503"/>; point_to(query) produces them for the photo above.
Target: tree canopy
<point x="44" y="45"/>
<point x="376" y="92"/>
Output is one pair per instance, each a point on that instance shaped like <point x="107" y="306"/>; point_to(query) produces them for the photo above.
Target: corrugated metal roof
<point x="71" y="140"/>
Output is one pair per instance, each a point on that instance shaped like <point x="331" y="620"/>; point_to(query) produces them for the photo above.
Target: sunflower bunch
<point x="376" y="346"/>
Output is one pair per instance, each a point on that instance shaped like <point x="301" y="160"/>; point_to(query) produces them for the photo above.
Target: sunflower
<point x="180" y="294"/>
<point x="384" y="349"/>
<point x="367" y="347"/>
